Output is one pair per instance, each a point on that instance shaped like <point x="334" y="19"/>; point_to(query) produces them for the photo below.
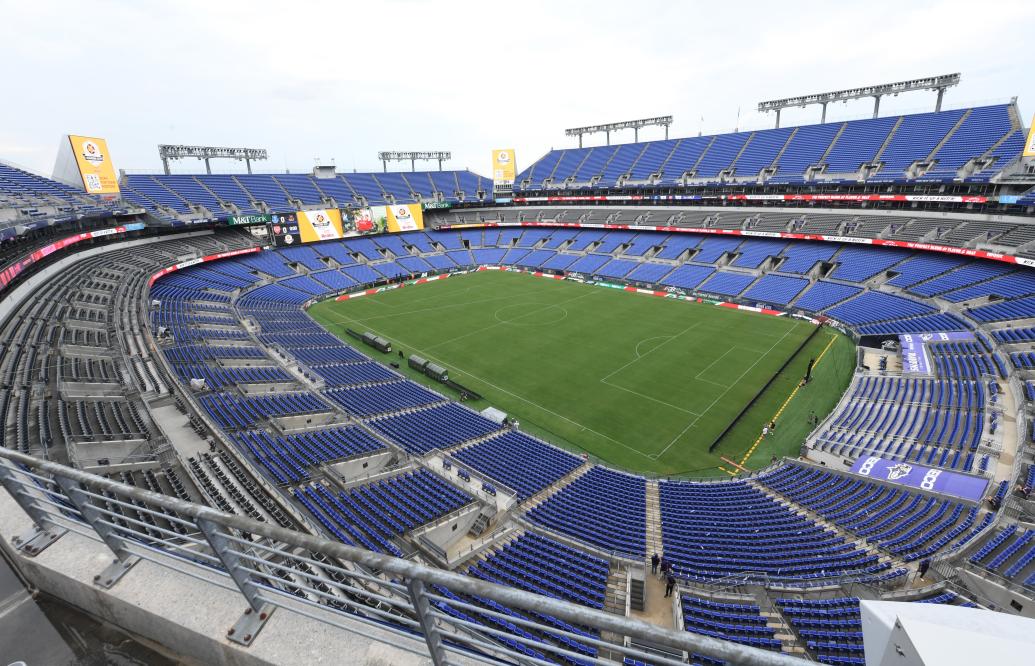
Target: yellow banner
<point x="503" y="169"/>
<point x="1029" y="145"/>
<point x="95" y="167"/>
<point x="405" y="217"/>
<point x="319" y="225"/>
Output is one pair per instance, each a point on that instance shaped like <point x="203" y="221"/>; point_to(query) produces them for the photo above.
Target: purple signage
<point x="942" y="481"/>
<point x="915" y="360"/>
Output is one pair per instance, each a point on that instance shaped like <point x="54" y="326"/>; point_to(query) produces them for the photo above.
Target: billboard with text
<point x="94" y="162"/>
<point x="319" y="225"/>
<point x="1029" y="144"/>
<point x="504" y="169"/>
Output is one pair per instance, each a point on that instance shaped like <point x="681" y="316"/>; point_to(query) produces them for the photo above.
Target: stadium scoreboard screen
<point x="284" y="230"/>
<point x="309" y="226"/>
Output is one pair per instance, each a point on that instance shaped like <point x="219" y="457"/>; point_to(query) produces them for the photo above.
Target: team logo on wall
<point x="92" y="152"/>
<point x="899" y="471"/>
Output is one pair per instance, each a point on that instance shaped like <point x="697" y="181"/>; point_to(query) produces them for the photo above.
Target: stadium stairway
<point x="617" y="589"/>
<point x="895" y="562"/>
<point x="782" y="630"/>
<point x="557" y="486"/>
<point x="466" y="444"/>
<point x="654" y="542"/>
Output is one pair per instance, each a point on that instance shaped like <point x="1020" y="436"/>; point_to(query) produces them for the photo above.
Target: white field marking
<point x="515" y="395"/>
<point x="500" y="323"/>
<point x="647" y="397"/>
<point x="496" y="315"/>
<point x="708" y="381"/>
<point x="656" y="337"/>
<point x="639" y="356"/>
<point x="699" y="378"/>
<point x="431" y="309"/>
<point x="384" y="301"/>
<point x="655" y="456"/>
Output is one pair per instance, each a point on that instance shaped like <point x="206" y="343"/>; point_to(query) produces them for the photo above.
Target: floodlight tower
<point x="936" y="83"/>
<point x="634" y="125"/>
<point x="387" y="156"/>
<point x="170" y="152"/>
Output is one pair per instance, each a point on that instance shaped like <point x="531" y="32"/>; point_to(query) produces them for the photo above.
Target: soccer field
<point x="641" y="382"/>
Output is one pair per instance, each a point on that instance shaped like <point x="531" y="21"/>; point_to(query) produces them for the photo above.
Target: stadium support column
<point x="636" y="135"/>
<point x="823" y="118"/>
<point x="165" y="165"/>
<point x="938" y="102"/>
<point x="208" y="167"/>
<point x="248" y="164"/>
<point x="778" y="119"/>
<point x="876" y="105"/>
<point x="608" y="134"/>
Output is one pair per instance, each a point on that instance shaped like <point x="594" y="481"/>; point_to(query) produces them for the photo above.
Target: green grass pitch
<point x="640" y="382"/>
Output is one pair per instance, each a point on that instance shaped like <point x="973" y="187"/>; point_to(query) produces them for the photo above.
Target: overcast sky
<point x="344" y="80"/>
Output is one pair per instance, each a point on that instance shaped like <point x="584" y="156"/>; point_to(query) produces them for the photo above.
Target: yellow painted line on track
<point x="787" y="401"/>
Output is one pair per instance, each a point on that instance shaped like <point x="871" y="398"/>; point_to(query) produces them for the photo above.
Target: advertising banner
<point x="94" y="162"/>
<point x="382" y="219"/>
<point x="909" y="245"/>
<point x="1029" y="143"/>
<point x="503" y="167"/>
<point x="319" y="225"/>
<point x="405" y="217"/>
<point x="927" y="198"/>
<point x="14" y="270"/>
<point x="258" y="218"/>
<point x="916" y="476"/>
<point x="194" y="262"/>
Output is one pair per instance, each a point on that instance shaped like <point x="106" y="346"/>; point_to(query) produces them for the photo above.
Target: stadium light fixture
<point x="169" y="152"/>
<point x="935" y="83"/>
<point x="634" y="125"/>
<point x="387" y="156"/>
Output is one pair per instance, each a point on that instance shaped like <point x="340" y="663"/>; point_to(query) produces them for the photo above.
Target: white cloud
<point x="346" y="79"/>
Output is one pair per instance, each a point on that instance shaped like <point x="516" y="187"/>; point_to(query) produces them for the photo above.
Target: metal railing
<point x="277" y="569"/>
